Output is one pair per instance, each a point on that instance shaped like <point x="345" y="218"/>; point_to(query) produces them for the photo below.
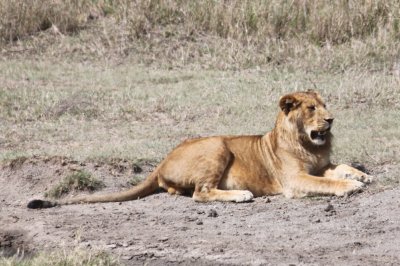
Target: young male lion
<point x="293" y="159"/>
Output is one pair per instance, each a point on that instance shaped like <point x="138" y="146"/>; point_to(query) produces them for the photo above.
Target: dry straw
<point x="214" y="33"/>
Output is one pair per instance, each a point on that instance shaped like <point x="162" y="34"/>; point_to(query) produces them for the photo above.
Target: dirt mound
<point x="34" y="176"/>
<point x="168" y="230"/>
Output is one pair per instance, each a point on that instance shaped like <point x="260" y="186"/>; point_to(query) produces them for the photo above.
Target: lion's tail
<point x="145" y="188"/>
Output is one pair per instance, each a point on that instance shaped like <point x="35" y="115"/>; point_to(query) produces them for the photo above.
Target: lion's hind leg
<point x="215" y="194"/>
<point x="171" y="188"/>
<point x="206" y="188"/>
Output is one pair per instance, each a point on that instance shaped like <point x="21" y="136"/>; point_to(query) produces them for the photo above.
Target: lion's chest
<point x="315" y="164"/>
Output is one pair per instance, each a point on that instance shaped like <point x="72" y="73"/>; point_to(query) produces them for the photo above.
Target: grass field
<point x="102" y="83"/>
<point x="96" y="110"/>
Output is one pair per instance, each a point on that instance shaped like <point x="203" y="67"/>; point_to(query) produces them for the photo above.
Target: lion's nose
<point x="329" y="120"/>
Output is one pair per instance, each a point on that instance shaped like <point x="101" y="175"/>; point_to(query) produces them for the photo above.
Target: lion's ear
<point x="287" y="103"/>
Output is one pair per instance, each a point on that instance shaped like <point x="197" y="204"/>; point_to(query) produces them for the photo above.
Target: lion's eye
<point x="311" y="107"/>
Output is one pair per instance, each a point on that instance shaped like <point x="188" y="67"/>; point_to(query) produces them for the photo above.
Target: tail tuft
<point x="39" y="204"/>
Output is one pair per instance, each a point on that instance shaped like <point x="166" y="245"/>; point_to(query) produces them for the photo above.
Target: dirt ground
<point x="361" y="229"/>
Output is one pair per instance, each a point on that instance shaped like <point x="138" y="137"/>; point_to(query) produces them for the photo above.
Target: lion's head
<point x="307" y="112"/>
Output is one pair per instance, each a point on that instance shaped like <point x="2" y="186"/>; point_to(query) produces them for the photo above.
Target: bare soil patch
<point x="362" y="229"/>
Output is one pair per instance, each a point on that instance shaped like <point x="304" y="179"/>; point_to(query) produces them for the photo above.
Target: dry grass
<point x="321" y="22"/>
<point x="19" y="19"/>
<point x="76" y="257"/>
<point x="135" y="112"/>
<point x="211" y="34"/>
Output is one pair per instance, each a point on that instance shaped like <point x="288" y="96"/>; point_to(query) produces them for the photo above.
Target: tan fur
<point x="235" y="168"/>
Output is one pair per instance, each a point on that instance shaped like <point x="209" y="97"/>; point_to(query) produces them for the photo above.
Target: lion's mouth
<point x="319" y="135"/>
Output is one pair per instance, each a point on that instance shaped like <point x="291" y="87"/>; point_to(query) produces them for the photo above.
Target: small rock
<point x="189" y="219"/>
<point x="163" y="239"/>
<point x="136" y="169"/>
<point x="129" y="257"/>
<point x="199" y="222"/>
<point x="329" y="208"/>
<point x="267" y="200"/>
<point x="212" y="213"/>
<point x="330" y="211"/>
<point x="111" y="246"/>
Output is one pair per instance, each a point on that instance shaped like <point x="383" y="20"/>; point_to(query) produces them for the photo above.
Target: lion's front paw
<point x="359" y="176"/>
<point x="350" y="187"/>
<point x="243" y="196"/>
<point x="348" y="172"/>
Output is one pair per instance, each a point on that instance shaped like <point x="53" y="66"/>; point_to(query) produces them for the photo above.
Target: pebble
<point x="111" y="246"/>
<point x="329" y="208"/>
<point x="212" y="213"/>
<point x="136" y="169"/>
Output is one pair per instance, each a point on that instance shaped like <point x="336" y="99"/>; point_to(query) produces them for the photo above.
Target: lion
<point x="293" y="159"/>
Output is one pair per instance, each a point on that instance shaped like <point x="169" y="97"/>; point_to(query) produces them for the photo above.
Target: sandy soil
<point x="362" y="229"/>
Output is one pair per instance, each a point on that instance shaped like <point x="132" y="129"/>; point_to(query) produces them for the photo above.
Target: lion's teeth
<point x="321" y="133"/>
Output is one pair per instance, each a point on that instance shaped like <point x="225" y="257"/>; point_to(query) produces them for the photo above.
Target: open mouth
<point x="318" y="135"/>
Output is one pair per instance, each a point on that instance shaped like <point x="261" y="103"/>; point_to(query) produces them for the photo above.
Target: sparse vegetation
<point x="135" y="180"/>
<point x="79" y="180"/>
<point x="76" y="257"/>
<point x="137" y="112"/>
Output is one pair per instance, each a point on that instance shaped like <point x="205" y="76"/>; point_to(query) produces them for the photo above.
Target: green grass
<point x="79" y="180"/>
